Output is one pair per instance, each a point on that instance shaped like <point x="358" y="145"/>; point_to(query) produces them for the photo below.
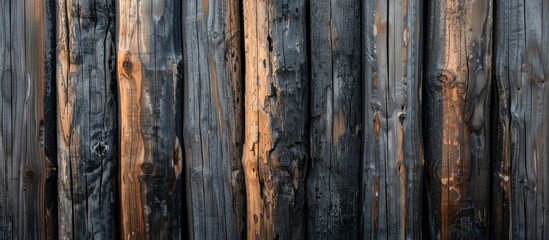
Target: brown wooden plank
<point x="332" y="182"/>
<point x="87" y="120"/>
<point x="22" y="156"/>
<point x="276" y="109"/>
<point x="393" y="152"/>
<point x="457" y="94"/>
<point x="521" y="60"/>
<point x="151" y="158"/>
<point x="213" y="119"/>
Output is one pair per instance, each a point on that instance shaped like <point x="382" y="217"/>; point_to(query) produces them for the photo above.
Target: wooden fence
<point x="274" y="119"/>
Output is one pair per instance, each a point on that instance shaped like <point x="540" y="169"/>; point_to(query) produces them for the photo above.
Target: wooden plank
<point x="22" y="156"/>
<point x="87" y="121"/>
<point x="393" y="152"/>
<point x="457" y="94"/>
<point x="332" y="182"/>
<point x="375" y="70"/>
<point x="276" y="109"/>
<point x="405" y="146"/>
<point x="501" y="206"/>
<point x="521" y="60"/>
<point x="213" y="119"/>
<point x="148" y="60"/>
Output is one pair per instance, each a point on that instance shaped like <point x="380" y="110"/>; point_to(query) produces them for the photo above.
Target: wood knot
<point x="127" y="66"/>
<point x="147" y="168"/>
<point x="100" y="148"/>
<point x="29" y="175"/>
<point x="526" y="68"/>
<point x="443" y="79"/>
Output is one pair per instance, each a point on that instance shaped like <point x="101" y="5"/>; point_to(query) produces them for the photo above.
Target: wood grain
<point x="213" y="118"/>
<point x="151" y="158"/>
<point x="87" y="122"/>
<point x="275" y="152"/>
<point x="521" y="60"/>
<point x="332" y="182"/>
<point x="457" y="95"/>
<point x="392" y="152"/>
<point x="22" y="157"/>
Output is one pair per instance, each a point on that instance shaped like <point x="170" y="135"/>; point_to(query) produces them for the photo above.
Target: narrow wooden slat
<point x="457" y="95"/>
<point x="333" y="178"/>
<point x="213" y="118"/>
<point x="276" y="102"/>
<point x="501" y="206"/>
<point x="148" y="59"/>
<point x="87" y="121"/>
<point x="22" y="156"/>
<point x="49" y="136"/>
<point x="393" y="152"/>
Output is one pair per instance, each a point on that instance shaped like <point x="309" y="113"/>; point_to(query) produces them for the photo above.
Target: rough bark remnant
<point x="275" y="152"/>
<point x="333" y="178"/>
<point x="457" y="95"/>
<point x="393" y="154"/>
<point x="213" y="119"/>
<point x="86" y="111"/>
<point x="148" y="61"/>
<point x="520" y="171"/>
<point x="23" y="164"/>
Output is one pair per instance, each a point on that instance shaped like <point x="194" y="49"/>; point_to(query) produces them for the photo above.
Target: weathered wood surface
<point x="213" y="118"/>
<point x="299" y="119"/>
<point x="332" y="184"/>
<point x="22" y="157"/>
<point x="521" y="59"/>
<point x="86" y="107"/>
<point x="393" y="153"/>
<point x="457" y="95"/>
<point x="151" y="158"/>
<point x="276" y="110"/>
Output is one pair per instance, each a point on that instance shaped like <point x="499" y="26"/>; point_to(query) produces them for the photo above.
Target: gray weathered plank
<point x="332" y="182"/>
<point x="521" y="61"/>
<point x="276" y="111"/>
<point x="213" y="119"/>
<point x="151" y="159"/>
<point x="457" y="95"/>
<point x="393" y="152"/>
<point x="22" y="157"/>
<point x="87" y="120"/>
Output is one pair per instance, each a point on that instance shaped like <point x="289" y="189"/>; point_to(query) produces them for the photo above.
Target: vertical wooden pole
<point x="22" y="156"/>
<point x="457" y="92"/>
<point x="213" y="118"/>
<point x="333" y="178"/>
<point x="148" y="60"/>
<point x="393" y="152"/>
<point x="521" y="61"/>
<point x="86" y="119"/>
<point x="276" y="111"/>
